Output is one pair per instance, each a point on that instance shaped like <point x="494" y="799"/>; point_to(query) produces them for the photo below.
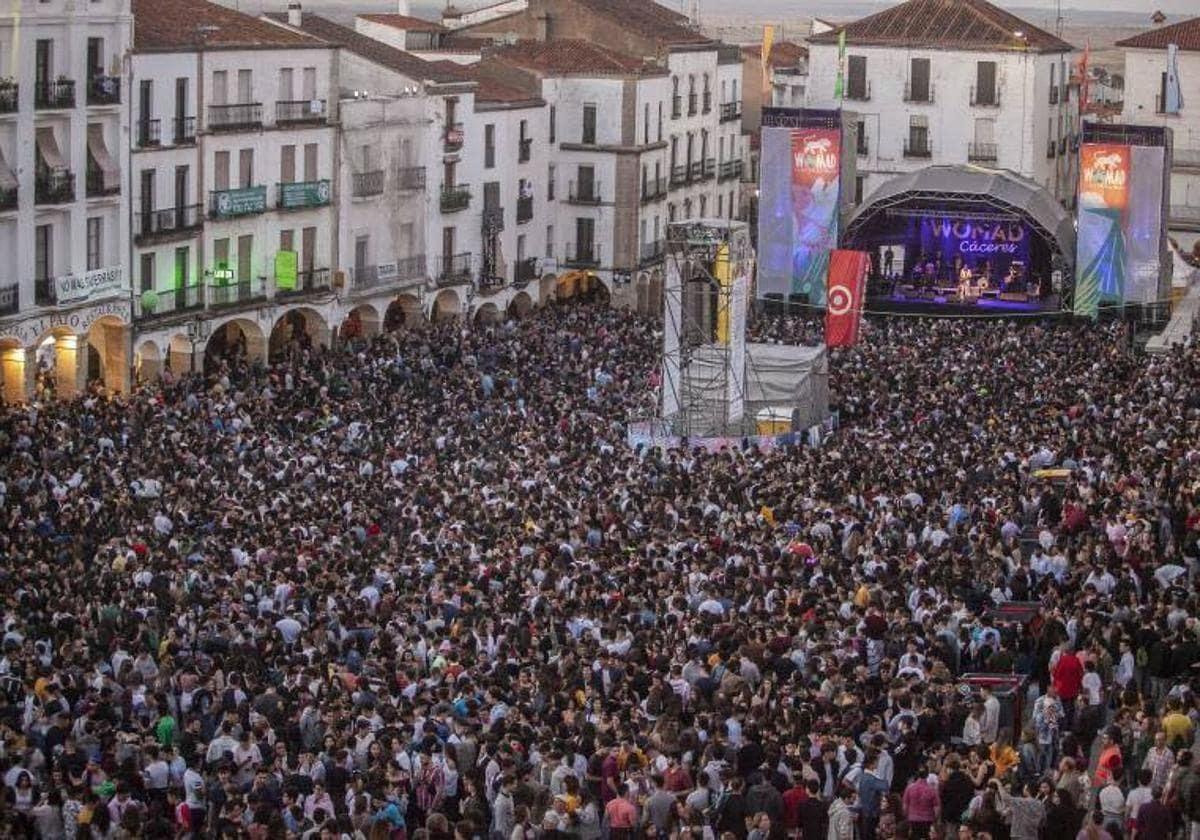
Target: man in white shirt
<point x="989" y="724"/>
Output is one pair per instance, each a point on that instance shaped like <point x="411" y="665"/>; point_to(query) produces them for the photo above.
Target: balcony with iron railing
<point x="410" y="178"/>
<point x="236" y="292"/>
<point x="452" y="137"/>
<point x="492" y="220"/>
<point x="730" y="169"/>
<point x="8" y="199"/>
<point x="695" y="170"/>
<point x="708" y="169"/>
<point x="524" y="150"/>
<point x="95" y="185"/>
<point x="987" y="98"/>
<point x="487" y="284"/>
<point x="151" y="225"/>
<point x="693" y="104"/>
<point x="54" y="187"/>
<point x="246" y="201"/>
<point x="654" y="189"/>
<point x="240" y="117"/>
<point x="185" y="131"/>
<point x="104" y="90"/>
<point x="915" y="147"/>
<point x="918" y="95"/>
<point x="982" y="152"/>
<point x="585" y="192"/>
<point x="859" y="93"/>
<point x="731" y="111"/>
<point x="303" y="195"/>
<point x="679" y="176"/>
<point x="300" y="111"/>
<point x="455" y="197"/>
<point x="525" y="271"/>
<point x="10" y="299"/>
<point x="676" y="107"/>
<point x="367" y="184"/>
<point x="1054" y="94"/>
<point x="44" y="293"/>
<point x="402" y="271"/>
<point x="55" y="94"/>
<point x="148" y="133"/>
<point x="706" y="103"/>
<point x="585" y="255"/>
<point x="652" y="252"/>
<point x="167" y="302"/>
<point x="310" y="281"/>
<point x="524" y="209"/>
<point x="453" y="269"/>
<point x="10" y="98"/>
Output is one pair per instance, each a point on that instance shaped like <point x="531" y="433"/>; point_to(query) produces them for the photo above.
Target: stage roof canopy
<point x="970" y="189"/>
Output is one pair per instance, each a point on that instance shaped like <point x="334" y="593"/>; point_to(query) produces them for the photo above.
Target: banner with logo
<point x="816" y="168"/>
<point x="76" y="287"/>
<point x="286" y="265"/>
<point x="847" y="284"/>
<point x="1101" y="261"/>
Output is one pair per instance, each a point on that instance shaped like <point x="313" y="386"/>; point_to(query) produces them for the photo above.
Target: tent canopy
<point x="936" y="187"/>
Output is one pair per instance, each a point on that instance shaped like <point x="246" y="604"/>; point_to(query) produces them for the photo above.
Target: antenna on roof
<point x="694" y="14"/>
<point x="1058" y="20"/>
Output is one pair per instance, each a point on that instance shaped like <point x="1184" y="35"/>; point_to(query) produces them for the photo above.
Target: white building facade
<point x="1145" y="104"/>
<point x="999" y="98"/>
<point x="64" y="283"/>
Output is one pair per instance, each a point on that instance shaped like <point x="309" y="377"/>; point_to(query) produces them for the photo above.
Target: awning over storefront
<point x="99" y="151"/>
<point x="47" y="147"/>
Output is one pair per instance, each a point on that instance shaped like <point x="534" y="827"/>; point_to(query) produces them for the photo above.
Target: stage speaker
<point x="798" y="303"/>
<point x="773" y="303"/>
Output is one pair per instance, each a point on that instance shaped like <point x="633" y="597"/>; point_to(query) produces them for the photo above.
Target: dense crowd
<point x="419" y="587"/>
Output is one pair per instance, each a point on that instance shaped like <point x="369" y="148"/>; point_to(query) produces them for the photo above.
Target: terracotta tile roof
<point x="499" y="85"/>
<point x="569" y="56"/>
<point x="1185" y="34"/>
<point x="374" y="51"/>
<point x="648" y="19"/>
<point x="406" y="22"/>
<point x="783" y="53"/>
<point x="175" y="24"/>
<point x="946" y="24"/>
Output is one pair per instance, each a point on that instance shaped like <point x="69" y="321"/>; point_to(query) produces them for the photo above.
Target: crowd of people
<point x="420" y="587"/>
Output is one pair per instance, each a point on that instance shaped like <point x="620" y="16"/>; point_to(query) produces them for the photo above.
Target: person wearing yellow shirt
<point x="1003" y="756"/>
<point x="1177" y="726"/>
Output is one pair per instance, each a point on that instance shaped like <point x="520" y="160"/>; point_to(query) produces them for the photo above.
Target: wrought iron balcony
<point x="586" y="255"/>
<point x="920" y="95"/>
<point x="149" y="225"/>
<point x="524" y="209"/>
<point x="455" y="197"/>
<point x="731" y="111"/>
<point x="987" y="98"/>
<point x="676" y="107"/>
<point x="730" y="169"/>
<point x="237" y="292"/>
<point x="654" y="189"/>
<point x="709" y="169"/>
<point x="95" y="186"/>
<point x="149" y="133"/>
<point x="54" y="187"/>
<point x="299" y="111"/>
<point x="453" y="137"/>
<point x="695" y="170"/>
<point x="693" y="101"/>
<point x="652" y="252"/>
<point x="104" y="90"/>
<point x="44" y="293"/>
<point x="9" y="96"/>
<point x="585" y="192"/>
<point x="56" y="94"/>
<point x="185" y="131"/>
<point x="10" y="298"/>
<point x="8" y="199"/>
<point x="374" y="276"/>
<point x="367" y="184"/>
<point x="168" y="302"/>
<point x="235" y="117"/>
<point x="410" y="178"/>
<point x="984" y="152"/>
<point x="916" y="148"/>
<point x="524" y="150"/>
<point x="859" y="93"/>
<point x="526" y="270"/>
<point x="302" y="195"/>
<point x="679" y="176"/>
<point x="308" y="282"/>
<point x="706" y="102"/>
<point x="452" y="269"/>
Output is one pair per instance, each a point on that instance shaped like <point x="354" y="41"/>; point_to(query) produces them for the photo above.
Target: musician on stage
<point x="965" y="278"/>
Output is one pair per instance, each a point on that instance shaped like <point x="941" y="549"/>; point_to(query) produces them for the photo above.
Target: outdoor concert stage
<point x="901" y="303"/>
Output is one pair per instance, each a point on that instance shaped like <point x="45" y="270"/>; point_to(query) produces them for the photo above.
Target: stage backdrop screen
<point x="799" y="197"/>
<point x="1101" y="253"/>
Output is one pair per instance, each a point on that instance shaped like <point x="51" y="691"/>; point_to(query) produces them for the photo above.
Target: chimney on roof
<point x="294" y="15"/>
<point x="402" y="7"/>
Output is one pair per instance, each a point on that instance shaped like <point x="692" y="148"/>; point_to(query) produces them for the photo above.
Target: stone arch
<point x="447" y="306"/>
<point x="13" y="363"/>
<point x="361" y="322"/>
<point x="237" y="338"/>
<point x="181" y="355"/>
<point x="521" y="305"/>
<point x="56" y="363"/>
<point x="148" y="361"/>
<point x="302" y="324"/>
<point x="105" y="354"/>
<point x="487" y="313"/>
<point x="404" y="311"/>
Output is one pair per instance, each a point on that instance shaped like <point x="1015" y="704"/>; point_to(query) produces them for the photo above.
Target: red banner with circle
<point x="847" y="284"/>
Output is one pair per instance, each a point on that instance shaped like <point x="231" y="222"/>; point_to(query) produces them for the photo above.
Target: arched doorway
<point x="488" y="313"/>
<point x="148" y="361"/>
<point x="107" y="353"/>
<point x="181" y="358"/>
<point x="446" y="306"/>
<point x="13" y="359"/>
<point x="546" y="289"/>
<point x="404" y="311"/>
<point x="56" y="360"/>
<point x="362" y="322"/>
<point x="298" y="329"/>
<point x="521" y="305"/>
<point x="237" y="340"/>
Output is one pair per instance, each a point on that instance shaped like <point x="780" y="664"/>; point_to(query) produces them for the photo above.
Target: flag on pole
<point x="768" y="41"/>
<point x="1174" y="92"/>
<point x="839" y="87"/>
<point x="1083" y="76"/>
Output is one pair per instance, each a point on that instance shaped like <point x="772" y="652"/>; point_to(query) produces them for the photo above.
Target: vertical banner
<point x="286" y="263"/>
<point x="816" y="180"/>
<point x="768" y="41"/>
<point x="847" y="285"/>
<point x="1100" y="262"/>
<point x="1174" y="98"/>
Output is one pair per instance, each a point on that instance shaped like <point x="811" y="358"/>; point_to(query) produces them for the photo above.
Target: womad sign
<point x="74" y="288"/>
<point x="78" y="321"/>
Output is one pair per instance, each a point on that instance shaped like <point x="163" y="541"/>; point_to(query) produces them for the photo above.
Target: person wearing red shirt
<point x="1067" y="676"/>
<point x="793" y="803"/>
